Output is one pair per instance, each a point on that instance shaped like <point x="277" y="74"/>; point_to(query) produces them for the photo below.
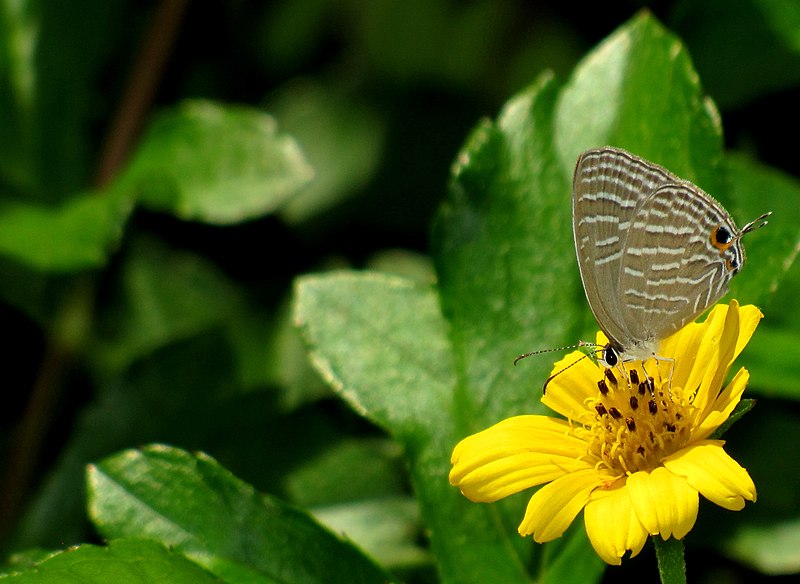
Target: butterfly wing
<point x="679" y="258"/>
<point x="609" y="186"/>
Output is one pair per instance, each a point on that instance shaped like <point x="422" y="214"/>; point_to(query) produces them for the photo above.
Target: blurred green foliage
<point x="291" y="175"/>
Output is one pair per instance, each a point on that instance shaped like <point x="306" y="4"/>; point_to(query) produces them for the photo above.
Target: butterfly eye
<point x="610" y="356"/>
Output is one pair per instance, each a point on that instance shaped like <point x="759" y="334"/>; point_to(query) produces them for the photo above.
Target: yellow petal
<point x="575" y="380"/>
<point x="693" y="346"/>
<point x="722" y="408"/>
<point x="553" y="507"/>
<point x="706" y="361"/>
<point x="685" y="346"/>
<point x="664" y="502"/>
<point x="718" y="477"/>
<point x="513" y="455"/>
<point x="601" y="339"/>
<point x="749" y="317"/>
<point x="718" y="367"/>
<point x="612" y="526"/>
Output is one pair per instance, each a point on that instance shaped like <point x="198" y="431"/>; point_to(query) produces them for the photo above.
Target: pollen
<point x="624" y="436"/>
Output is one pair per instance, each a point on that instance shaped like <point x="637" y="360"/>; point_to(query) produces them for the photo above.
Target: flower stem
<point x="671" y="563"/>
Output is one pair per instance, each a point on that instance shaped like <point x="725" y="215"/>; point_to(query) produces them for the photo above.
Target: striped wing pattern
<point x="608" y="186"/>
<point x="670" y="271"/>
<point x="644" y="248"/>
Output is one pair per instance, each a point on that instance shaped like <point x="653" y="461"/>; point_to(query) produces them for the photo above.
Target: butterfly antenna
<point x="756" y="223"/>
<point x="549" y="379"/>
<point x="521" y="357"/>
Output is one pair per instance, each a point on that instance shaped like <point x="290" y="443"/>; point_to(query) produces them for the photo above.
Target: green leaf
<point x="771" y="252"/>
<point x="76" y="235"/>
<point x="743" y="50"/>
<point x="192" y="504"/>
<point x="381" y="342"/>
<point x="506" y="287"/>
<point x="23" y="560"/>
<point x="269" y="353"/>
<point x="342" y="139"/>
<point x="122" y="562"/>
<point x="343" y="312"/>
<point x="164" y="295"/>
<point x="770" y="547"/>
<point x="769" y="278"/>
<point x="216" y="164"/>
<point x="184" y="393"/>
<point x="45" y="101"/>
<point x="19" y="28"/>
<point x="738" y="413"/>
<point x="386" y="528"/>
<point x="346" y="470"/>
<point x="773" y="359"/>
<point x="638" y="90"/>
<point x="402" y="262"/>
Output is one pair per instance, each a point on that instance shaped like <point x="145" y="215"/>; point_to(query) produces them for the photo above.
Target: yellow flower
<point x="635" y="448"/>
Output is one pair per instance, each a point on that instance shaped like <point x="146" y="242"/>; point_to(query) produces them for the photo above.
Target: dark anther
<point x="652" y="406"/>
<point x="601" y="385"/>
<point x="630" y="424"/>
<point x="640" y="450"/>
<point x="610" y="376"/>
<point x="634" y="377"/>
<point x="634" y="402"/>
<point x="669" y="427"/>
<point x="614" y="413"/>
<point x="601" y="409"/>
<point x="642" y="388"/>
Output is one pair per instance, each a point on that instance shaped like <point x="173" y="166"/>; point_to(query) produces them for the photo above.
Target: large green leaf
<point x="770" y="252"/>
<point x="501" y="244"/>
<point x="381" y="342"/>
<point x="638" y="90"/>
<point x="193" y="505"/>
<point x="395" y="326"/>
<point x="770" y="276"/>
<point x="75" y="235"/>
<point x="122" y="562"/>
<point x="216" y="164"/>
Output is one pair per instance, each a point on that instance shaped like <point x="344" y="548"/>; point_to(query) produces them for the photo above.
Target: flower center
<point x="639" y="420"/>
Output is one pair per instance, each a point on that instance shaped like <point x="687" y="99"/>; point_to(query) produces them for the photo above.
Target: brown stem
<point x="141" y="88"/>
